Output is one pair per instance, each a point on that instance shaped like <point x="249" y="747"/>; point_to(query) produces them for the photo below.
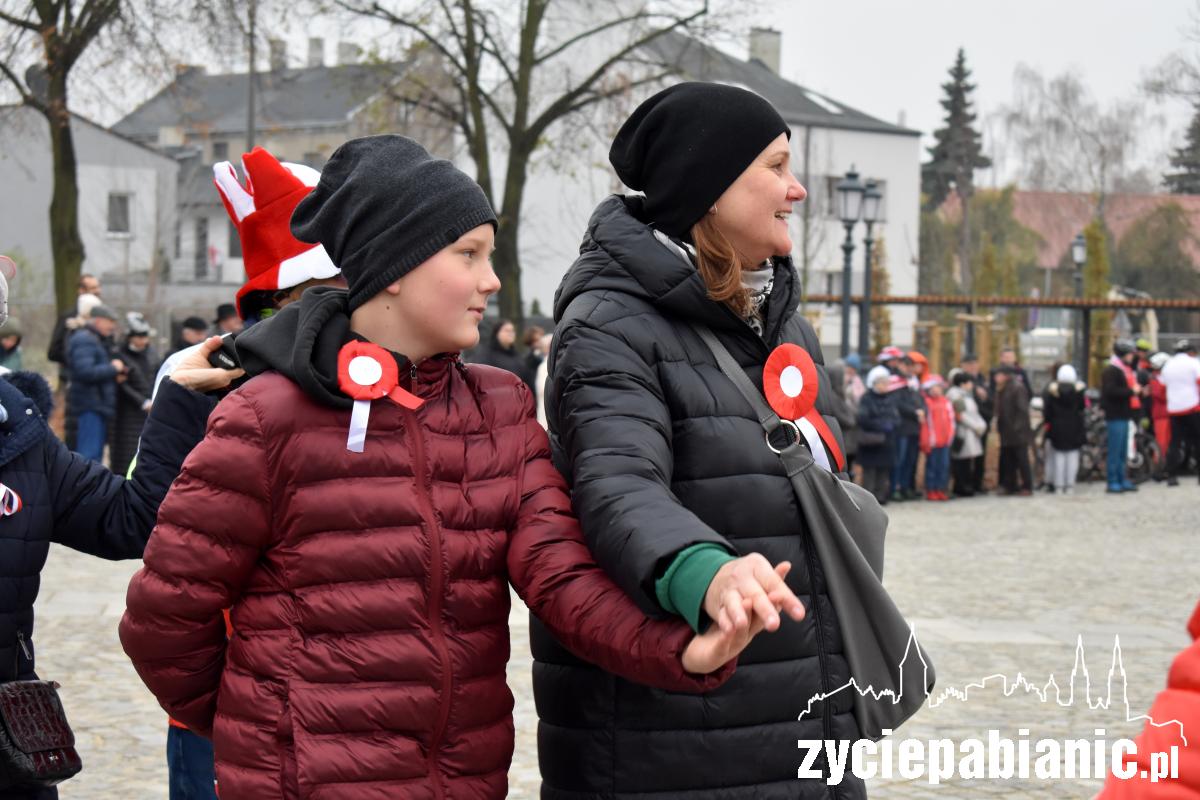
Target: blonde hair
<point x="720" y="266"/>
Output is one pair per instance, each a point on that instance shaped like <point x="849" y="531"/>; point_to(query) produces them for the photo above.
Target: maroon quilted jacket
<point x="369" y="590"/>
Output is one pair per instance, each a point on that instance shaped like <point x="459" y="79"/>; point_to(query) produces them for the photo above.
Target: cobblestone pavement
<point x="995" y="586"/>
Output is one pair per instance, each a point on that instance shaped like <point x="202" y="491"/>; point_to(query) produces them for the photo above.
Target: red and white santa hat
<point x="262" y="211"/>
<point x="932" y="381"/>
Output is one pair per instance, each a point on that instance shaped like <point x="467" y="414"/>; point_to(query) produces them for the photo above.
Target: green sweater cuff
<point x="682" y="587"/>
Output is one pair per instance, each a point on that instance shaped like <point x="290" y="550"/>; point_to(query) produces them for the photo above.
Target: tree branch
<point x="26" y="97"/>
<point x="549" y="54"/>
<point x="28" y="25"/>
<point x="564" y="102"/>
<point x="494" y="52"/>
<point x="379" y="12"/>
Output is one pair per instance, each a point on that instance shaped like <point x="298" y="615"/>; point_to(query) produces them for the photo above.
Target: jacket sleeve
<point x="57" y="351"/>
<point x="87" y="363"/>
<point x="607" y="410"/>
<point x="211" y="531"/>
<point x="553" y="572"/>
<point x="105" y="515"/>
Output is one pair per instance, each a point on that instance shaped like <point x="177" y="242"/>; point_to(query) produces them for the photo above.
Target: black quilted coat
<point x="663" y="452"/>
<point x="70" y="500"/>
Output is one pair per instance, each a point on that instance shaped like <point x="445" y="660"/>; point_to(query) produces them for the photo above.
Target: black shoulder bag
<point x="891" y="673"/>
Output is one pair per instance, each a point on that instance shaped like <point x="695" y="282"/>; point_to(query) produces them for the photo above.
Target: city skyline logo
<point x="1012" y="685"/>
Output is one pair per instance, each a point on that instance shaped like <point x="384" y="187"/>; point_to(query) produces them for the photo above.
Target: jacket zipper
<point x="822" y="658"/>
<point x="437" y="564"/>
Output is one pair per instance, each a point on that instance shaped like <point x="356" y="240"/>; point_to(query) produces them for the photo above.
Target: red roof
<point x="1058" y="216"/>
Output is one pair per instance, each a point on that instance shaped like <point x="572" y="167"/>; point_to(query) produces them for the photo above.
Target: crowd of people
<point x="900" y="410"/>
<point x="323" y="606"/>
<point x="905" y="427"/>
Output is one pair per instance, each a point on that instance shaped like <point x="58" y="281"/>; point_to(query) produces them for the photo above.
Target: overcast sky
<point x="885" y="57"/>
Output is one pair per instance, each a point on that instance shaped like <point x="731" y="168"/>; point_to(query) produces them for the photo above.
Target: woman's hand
<point x="195" y="373"/>
<point x="718" y="646"/>
<point x="749" y="584"/>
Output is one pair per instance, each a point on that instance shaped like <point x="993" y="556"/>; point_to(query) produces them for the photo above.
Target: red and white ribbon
<point x="10" y="501"/>
<point x="367" y="372"/>
<point x="791" y="384"/>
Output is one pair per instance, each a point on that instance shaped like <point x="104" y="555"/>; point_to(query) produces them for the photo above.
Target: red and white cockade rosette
<point x="791" y="384"/>
<point x="367" y="372"/>
<point x="10" y="501"/>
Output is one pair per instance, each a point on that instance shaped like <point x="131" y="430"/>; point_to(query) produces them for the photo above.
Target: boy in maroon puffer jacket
<point x="362" y="505"/>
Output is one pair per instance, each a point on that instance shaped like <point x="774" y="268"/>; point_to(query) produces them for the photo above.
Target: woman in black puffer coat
<point x="671" y="477"/>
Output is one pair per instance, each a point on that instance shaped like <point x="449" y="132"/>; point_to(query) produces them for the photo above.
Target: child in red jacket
<point x="937" y="434"/>
<point x="363" y="503"/>
<point x="1179" y="702"/>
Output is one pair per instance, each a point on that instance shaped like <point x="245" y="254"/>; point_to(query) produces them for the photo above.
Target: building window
<point x="220" y="151"/>
<point x="314" y="160"/>
<point x="178" y="238"/>
<point x="200" y="253"/>
<point x="234" y="247"/>
<point x="118" y="214"/>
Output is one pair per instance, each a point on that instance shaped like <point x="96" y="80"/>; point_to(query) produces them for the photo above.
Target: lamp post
<point x="872" y="206"/>
<point x="850" y="200"/>
<point x="1079" y="256"/>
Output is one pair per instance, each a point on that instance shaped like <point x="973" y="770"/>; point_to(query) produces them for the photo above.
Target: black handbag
<point x="871" y="438"/>
<point x="891" y="674"/>
<point x="37" y="745"/>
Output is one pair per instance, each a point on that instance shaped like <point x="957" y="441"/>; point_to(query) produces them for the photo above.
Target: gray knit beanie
<point x="383" y="206"/>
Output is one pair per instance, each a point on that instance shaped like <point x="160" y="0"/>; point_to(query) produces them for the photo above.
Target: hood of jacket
<point x="621" y="253"/>
<point x="25" y="397"/>
<point x="302" y="340"/>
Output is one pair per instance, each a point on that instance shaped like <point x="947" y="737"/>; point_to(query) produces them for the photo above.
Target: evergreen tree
<point x="958" y="149"/>
<point x="1187" y="161"/>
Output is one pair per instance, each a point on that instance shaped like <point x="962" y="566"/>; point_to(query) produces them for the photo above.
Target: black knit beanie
<point x="383" y="206"/>
<point x="685" y="145"/>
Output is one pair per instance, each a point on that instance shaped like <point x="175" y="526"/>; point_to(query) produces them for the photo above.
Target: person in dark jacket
<point x="680" y="498"/>
<point x="366" y="548"/>
<point x="501" y="351"/>
<point x="985" y="400"/>
<point x="1062" y="408"/>
<point x="54" y="495"/>
<point x="57" y="351"/>
<point x="1016" y="433"/>
<point x="133" y="393"/>
<point x="93" y="372"/>
<point x="907" y="398"/>
<point x="877" y="422"/>
<point x="1119" y="400"/>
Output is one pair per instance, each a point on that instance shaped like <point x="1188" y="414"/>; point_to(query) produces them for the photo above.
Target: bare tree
<point x="516" y="69"/>
<point x="65" y="30"/>
<point x="1066" y="141"/>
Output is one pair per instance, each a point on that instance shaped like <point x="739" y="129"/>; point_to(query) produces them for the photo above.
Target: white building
<point x="126" y="201"/>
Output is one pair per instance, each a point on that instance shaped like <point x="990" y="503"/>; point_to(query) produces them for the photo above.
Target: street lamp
<point x="871" y="212"/>
<point x="850" y="200"/>
<point x="1079" y="256"/>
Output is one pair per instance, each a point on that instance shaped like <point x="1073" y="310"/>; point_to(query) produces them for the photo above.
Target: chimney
<point x="183" y="71"/>
<point x="316" y="52"/>
<point x="764" y="47"/>
<point x="278" y="49"/>
<point x="348" y="53"/>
